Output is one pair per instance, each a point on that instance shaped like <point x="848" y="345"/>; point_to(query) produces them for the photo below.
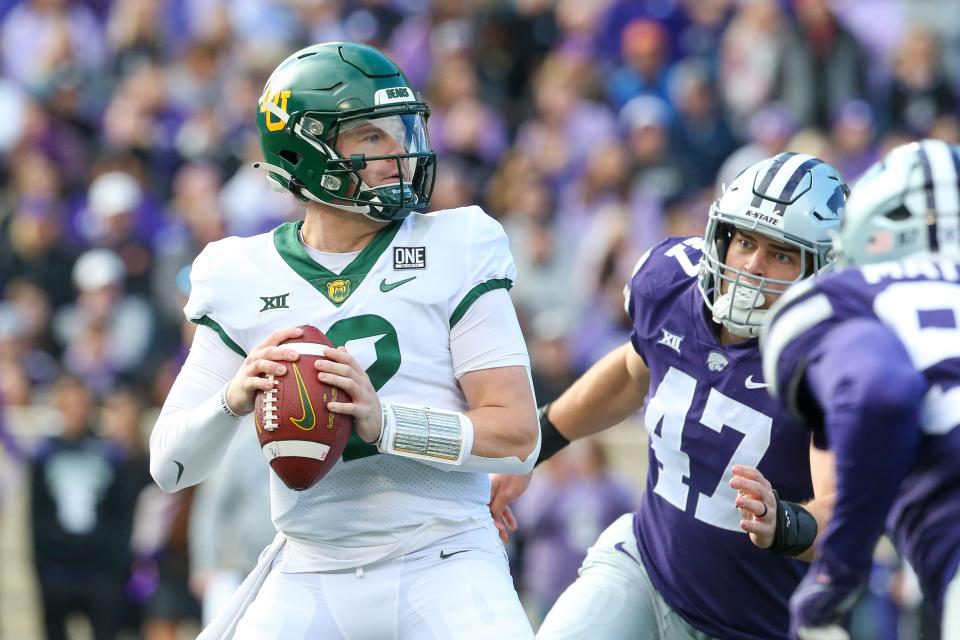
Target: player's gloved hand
<point x="757" y="503"/>
<point x="504" y="489"/>
<point x="820" y="606"/>
<point x="339" y="369"/>
<point x="264" y="359"/>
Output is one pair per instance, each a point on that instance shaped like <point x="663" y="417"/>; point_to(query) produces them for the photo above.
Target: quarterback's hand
<point x="266" y="358"/>
<point x="504" y="489"/>
<point x="339" y="369"/>
<point x="757" y="504"/>
<point x="820" y="606"/>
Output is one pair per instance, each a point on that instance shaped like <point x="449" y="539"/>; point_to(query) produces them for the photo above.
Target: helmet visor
<point x="380" y="142"/>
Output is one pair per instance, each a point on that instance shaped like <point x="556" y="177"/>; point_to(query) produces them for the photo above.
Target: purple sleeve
<point x="870" y="393"/>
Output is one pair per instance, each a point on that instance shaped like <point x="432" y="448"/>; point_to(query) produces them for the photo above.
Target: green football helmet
<point x="334" y="110"/>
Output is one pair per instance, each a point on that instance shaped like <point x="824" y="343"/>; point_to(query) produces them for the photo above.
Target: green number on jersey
<point x="384" y="367"/>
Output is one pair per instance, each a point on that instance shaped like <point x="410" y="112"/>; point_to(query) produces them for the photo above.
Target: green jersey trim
<point x="475" y="293"/>
<point x="336" y="288"/>
<point x="207" y="321"/>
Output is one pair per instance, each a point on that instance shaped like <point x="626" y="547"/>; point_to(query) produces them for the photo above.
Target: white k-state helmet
<point x="905" y="205"/>
<point x="792" y="198"/>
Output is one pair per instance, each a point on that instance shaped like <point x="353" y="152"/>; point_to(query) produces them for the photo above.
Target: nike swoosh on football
<point x="750" y="384"/>
<point x="309" y="419"/>
<point x="385" y="286"/>
<point x="444" y="555"/>
<point x="179" y="470"/>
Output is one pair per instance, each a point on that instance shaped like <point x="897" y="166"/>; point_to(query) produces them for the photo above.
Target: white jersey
<point x="393" y="307"/>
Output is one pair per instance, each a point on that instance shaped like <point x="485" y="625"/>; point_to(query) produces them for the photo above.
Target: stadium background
<point x="589" y="129"/>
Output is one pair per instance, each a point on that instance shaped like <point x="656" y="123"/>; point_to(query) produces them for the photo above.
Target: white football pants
<point x="613" y="597"/>
<point x="459" y="587"/>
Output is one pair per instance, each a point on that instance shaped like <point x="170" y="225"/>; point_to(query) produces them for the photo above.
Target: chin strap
<point x="738" y="305"/>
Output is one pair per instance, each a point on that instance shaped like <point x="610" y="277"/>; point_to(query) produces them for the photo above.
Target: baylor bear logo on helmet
<point x="277" y="99"/>
<point x="339" y="125"/>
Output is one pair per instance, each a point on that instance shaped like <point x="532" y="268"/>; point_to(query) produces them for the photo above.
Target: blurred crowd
<point x="589" y="129"/>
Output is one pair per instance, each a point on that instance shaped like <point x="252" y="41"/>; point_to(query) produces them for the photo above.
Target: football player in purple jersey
<point x="686" y="564"/>
<point x="870" y="358"/>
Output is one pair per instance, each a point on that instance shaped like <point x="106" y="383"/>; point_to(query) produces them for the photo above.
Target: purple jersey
<point x="840" y="346"/>
<point x="708" y="409"/>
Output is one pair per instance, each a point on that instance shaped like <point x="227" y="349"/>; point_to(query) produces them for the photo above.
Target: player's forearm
<point x="606" y="395"/>
<point x="502" y="432"/>
<point x="821" y="508"/>
<point x="499" y="434"/>
<point x="193" y="430"/>
<point x="187" y="445"/>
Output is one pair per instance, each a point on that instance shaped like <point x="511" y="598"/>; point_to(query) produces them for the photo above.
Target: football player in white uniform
<point x="388" y="544"/>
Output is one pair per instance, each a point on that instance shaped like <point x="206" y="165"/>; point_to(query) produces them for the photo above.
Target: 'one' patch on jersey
<point x="409" y="257"/>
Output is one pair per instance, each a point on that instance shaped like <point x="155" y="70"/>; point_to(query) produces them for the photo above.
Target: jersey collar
<point x="336" y="288"/>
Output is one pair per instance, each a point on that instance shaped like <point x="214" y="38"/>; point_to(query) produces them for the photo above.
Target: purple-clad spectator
<point x="702" y="132"/>
<point x="669" y="14"/>
<point x="461" y="124"/>
<point x="247" y="202"/>
<point x="658" y="170"/>
<point x="645" y="52"/>
<point x="822" y="65"/>
<point x="141" y="118"/>
<point x="853" y="136"/>
<point x="750" y="56"/>
<point x="700" y="36"/>
<point x="107" y="333"/>
<point x="921" y="91"/>
<point x="562" y="513"/>
<point x="121" y="216"/>
<point x="80" y="519"/>
<point x="32" y="248"/>
<point x="566" y="126"/>
<point x="40" y="36"/>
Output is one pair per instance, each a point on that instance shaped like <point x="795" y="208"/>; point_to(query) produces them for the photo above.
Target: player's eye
<point x="784" y="258"/>
<point x="745" y="243"/>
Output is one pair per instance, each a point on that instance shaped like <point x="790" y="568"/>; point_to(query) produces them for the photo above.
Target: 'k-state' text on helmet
<point x="320" y="95"/>
<point x="905" y="205"/>
<point x="792" y="198"/>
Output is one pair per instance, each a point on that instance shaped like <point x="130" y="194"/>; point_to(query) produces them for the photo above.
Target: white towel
<point x="225" y="624"/>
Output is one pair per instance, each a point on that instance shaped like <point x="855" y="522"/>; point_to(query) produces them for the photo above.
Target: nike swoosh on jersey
<point x="179" y="470"/>
<point x="750" y="384"/>
<point x="619" y="547"/>
<point x="309" y="419"/>
<point x="444" y="555"/>
<point x="385" y="286"/>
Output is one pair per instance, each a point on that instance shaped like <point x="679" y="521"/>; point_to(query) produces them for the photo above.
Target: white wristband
<point x="425" y="433"/>
<point x="226" y="407"/>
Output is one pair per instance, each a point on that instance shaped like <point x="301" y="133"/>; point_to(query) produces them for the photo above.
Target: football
<point x="300" y="437"/>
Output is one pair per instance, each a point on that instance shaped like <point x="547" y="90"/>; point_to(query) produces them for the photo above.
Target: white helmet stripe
<point x="780" y="180"/>
<point x="946" y="199"/>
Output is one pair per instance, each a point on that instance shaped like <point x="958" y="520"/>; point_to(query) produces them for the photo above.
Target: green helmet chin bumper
<point x="340" y="125"/>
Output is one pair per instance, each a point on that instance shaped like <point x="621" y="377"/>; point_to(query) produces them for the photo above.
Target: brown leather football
<point x="299" y="436"/>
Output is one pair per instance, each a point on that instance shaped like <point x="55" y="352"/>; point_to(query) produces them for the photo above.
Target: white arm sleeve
<point x="193" y="432"/>
<point x="488" y="336"/>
